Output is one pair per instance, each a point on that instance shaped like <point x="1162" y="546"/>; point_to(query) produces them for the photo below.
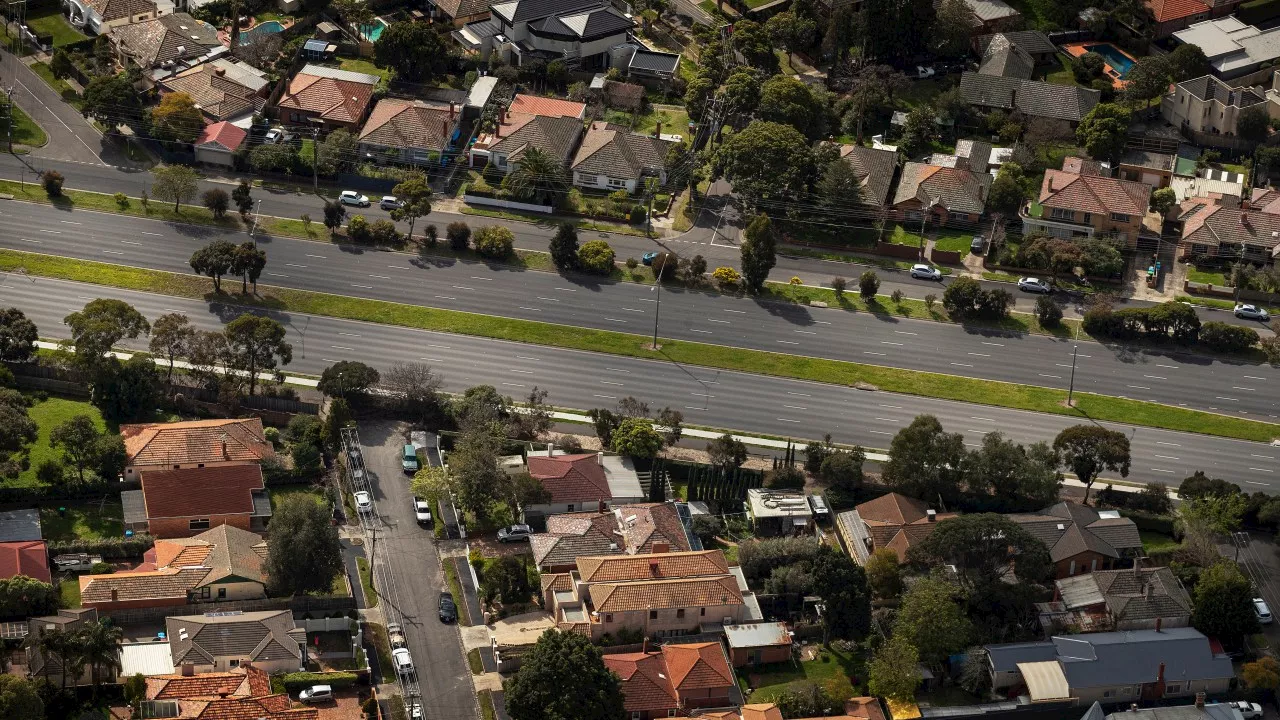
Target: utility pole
<point x="657" y="308"/>
<point x="8" y="116"/>
<point x="253" y="231"/>
<point x="1072" y="388"/>
<point x="315" y="157"/>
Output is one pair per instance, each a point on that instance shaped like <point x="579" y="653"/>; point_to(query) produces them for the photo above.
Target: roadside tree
<point x="303" y="550"/>
<point x="218" y="202"/>
<point x="758" y="252"/>
<point x="255" y="344"/>
<point x="100" y="325"/>
<point x="214" y="260"/>
<point x="176" y="183"/>
<point x="1088" y="450"/>
<point x="176" y="118"/>
<point x="171" y="338"/>
<point x="557" y="661"/>
<point x="18" y="336"/>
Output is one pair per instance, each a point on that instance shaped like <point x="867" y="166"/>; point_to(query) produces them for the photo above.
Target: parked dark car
<point x="448" y="610"/>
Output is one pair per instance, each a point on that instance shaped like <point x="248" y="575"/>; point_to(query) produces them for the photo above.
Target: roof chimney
<point x="657" y="132"/>
<point x="444" y="128"/>
<point x="1148" y="590"/>
<point x="452" y="110"/>
<point x="188" y="669"/>
<point x="1200" y="700"/>
<point x="644" y="646"/>
<point x="931" y="515"/>
<point x="1160" y="677"/>
<point x="1244" y="221"/>
<point x="502" y="115"/>
<point x="219" y="71"/>
<point x="225" y="454"/>
<point x="1159" y="622"/>
<point x="600" y="459"/>
<point x="115" y="594"/>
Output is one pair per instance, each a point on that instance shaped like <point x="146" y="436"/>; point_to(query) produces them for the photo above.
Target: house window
<point x="589" y="179"/>
<point x="671" y="713"/>
<point x="1173" y="688"/>
<point x="1120" y="217"/>
<point x="501" y="160"/>
<point x="204" y="593"/>
<point x="1072" y="571"/>
<point x="199" y="465"/>
<point x="608" y="617"/>
<point x="956" y="216"/>
<point x="1088" y="218"/>
<point x="617" y="183"/>
<point x="200" y="524"/>
<point x="702" y="612"/>
<point x="571" y="507"/>
<point x="1061" y="214"/>
<point x="1093" y="565"/>
<point x="233" y="663"/>
<point x="680" y="614"/>
<point x="1109" y="693"/>
<point x="635" y="715"/>
<point x="177" y="467"/>
<point x="653" y="614"/>
<point x="222" y="593"/>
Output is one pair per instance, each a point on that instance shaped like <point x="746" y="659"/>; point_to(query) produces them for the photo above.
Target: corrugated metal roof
<point x="1045" y="680"/>
<point x="146" y="658"/>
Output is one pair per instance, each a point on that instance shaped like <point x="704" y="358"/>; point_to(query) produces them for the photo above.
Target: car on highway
<point x="1248" y="710"/>
<point x="390" y="202"/>
<point x="1034" y="285"/>
<point x="448" y="609"/>
<point x="1262" y="611"/>
<point x="351" y="197"/>
<point x="422" y="511"/>
<point x="395" y="635"/>
<point x="514" y="533"/>
<point x="926" y="272"/>
<point x="316" y="694"/>
<point x="403" y="661"/>
<point x="648" y="257"/>
<point x="1252" y="312"/>
<point x="364" y="501"/>
<point x="977" y="245"/>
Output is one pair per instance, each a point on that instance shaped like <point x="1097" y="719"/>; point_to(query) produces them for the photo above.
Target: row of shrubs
<point x="1168" y="321"/>
<point x="120" y="548"/>
<point x="294" y="682"/>
<point x="619" y="205"/>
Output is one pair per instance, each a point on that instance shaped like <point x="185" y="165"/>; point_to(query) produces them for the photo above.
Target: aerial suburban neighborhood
<point x="639" y="359"/>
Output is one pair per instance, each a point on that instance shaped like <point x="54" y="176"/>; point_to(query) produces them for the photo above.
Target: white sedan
<point x="1035" y="285"/>
<point x="351" y="197"/>
<point x="364" y="501"/>
<point x="1248" y="710"/>
<point x="422" y="510"/>
<point x="926" y="272"/>
<point x="1252" y="312"/>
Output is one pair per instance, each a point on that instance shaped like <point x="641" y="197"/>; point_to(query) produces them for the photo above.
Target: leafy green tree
<point x="1100" y="256"/>
<point x="1224" y="604"/>
<point x="925" y="462"/>
<point x="111" y="100"/>
<point x="635" y="437"/>
<point x="982" y="547"/>
<point x="459" y="235"/>
<point x="248" y="262"/>
<point x="727" y="452"/>
<point x="175" y="182"/>
<point x="18" y="336"/>
<point x="126" y="391"/>
<point x="596" y="257"/>
<point x="920" y="129"/>
<point x="214" y="260"/>
<point x="1253" y="124"/>
<point x="176" y="118"/>
<point x="840" y="189"/>
<point x="792" y="31"/>
<point x="303" y="550"/>
<point x="1024" y="478"/>
<point x="842" y="585"/>
<point x="22" y="596"/>
<point x="17" y="429"/>
<point x="348" y="377"/>
<point x="952" y="28"/>
<point x="1200" y="485"/>
<point x="1088" y="67"/>
<point x="1147" y="80"/>
<point x="868" y="284"/>
<point x="842" y="470"/>
<point x="1088" y="450"/>
<point x="787" y="100"/>
<point x="414" y="50"/>
<point x="758" y="251"/>
<point x="218" y="202"/>
<point x="884" y="574"/>
<point x="767" y="161"/>
<point x="1186" y="62"/>
<point x="697" y="94"/>
<point x="1102" y="132"/>
<point x="932" y="619"/>
<point x="256" y="344"/>
<point x="19" y="699"/>
<point x="495" y="242"/>
<point x="1262" y="674"/>
<point x="77" y="438"/>
<point x="752" y="41"/>
<point x="894" y="671"/>
<point x="557" y="661"/>
<point x="273" y="157"/>
<point x="336" y="153"/>
<point x="100" y="325"/>
<point x="564" y="246"/>
<point x="740" y="92"/>
<point x="242" y="196"/>
<point x="415" y="193"/>
<point x="1007" y="191"/>
<point x="99" y="645"/>
<point x="538" y="177"/>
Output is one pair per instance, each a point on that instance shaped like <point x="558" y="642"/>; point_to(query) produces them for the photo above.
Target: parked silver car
<point x="1034" y="285"/>
<point x="926" y="272"/>
<point x="1252" y="312"/>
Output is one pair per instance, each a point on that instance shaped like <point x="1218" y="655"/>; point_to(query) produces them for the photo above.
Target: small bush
<point x="1227" y="338"/>
<point x="632" y="263"/>
<point x="49" y="472"/>
<point x="272" y="436"/>
<point x="637" y="215"/>
<point x="727" y="276"/>
<point x="122" y="200"/>
<point x="384" y="232"/>
<point x="52" y="181"/>
<point x="869" y="284"/>
<point x="494" y="242"/>
<point x="697" y="267"/>
<point x="838" y="284"/>
<point x="109" y="548"/>
<point x="101" y="568"/>
<point x="459" y="235"/>
<point x="1048" y="312"/>
<point x="358" y="230"/>
<point x="897" y="297"/>
<point x="596" y="257"/>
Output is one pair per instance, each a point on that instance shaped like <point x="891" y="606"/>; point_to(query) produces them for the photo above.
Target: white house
<point x="99" y="16"/>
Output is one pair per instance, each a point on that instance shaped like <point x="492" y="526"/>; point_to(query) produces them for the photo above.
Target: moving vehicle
<point x="1248" y="710"/>
<point x="977" y="245"/>
<point x="351" y="197"/>
<point x="422" y="510"/>
<point x="1262" y="611"/>
<point x="395" y="635"/>
<point x="926" y="272"/>
<point x="315" y="694"/>
<point x="1034" y="285"/>
<point x="403" y="661"/>
<point x="390" y="202"/>
<point x="1252" y="312"/>
<point x="409" y="460"/>
<point x="648" y="257"/>
<point x="448" y="610"/>
<point x="515" y="533"/>
<point x="364" y="501"/>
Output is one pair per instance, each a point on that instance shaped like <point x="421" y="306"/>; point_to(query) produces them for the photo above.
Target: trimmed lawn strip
<point x="49" y="21"/>
<point x="86" y="200"/>
<point x="1210" y="277"/>
<point x="366" y="581"/>
<point x="833" y="676"/>
<point x="1220" y="304"/>
<point x="62" y="87"/>
<point x="487" y="711"/>
<point x="933" y="385"/>
<point x="455" y="587"/>
<point x="69" y="592"/>
<point x="382" y="646"/>
<point x="473" y="659"/>
<point x="25" y="130"/>
<point x="583" y="224"/>
<point x="884" y="263"/>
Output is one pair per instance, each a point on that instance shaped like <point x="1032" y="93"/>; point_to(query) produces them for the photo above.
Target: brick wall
<point x="181" y="527"/>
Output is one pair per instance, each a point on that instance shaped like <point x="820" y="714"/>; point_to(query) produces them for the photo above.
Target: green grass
<point x="486" y="702"/>
<point x="1212" y="277"/>
<point x="885" y="263"/>
<point x="49" y="21"/>
<point x="674" y="120"/>
<point x="784" y="58"/>
<point x="999" y="277"/>
<point x="954" y="241"/>
<point x="83" y="521"/>
<point x="25" y="130"/>
<point x="730" y="551"/>
<point x="1088" y="406"/>
<point x="382" y="645"/>
<point x="474" y="660"/>
<point x="455" y="587"/>
<point x="1061" y="74"/>
<point x="366" y="582"/>
<point x="1157" y="542"/>
<point x="901" y="236"/>
<point x="582" y="223"/>
<point x="919" y="92"/>
<point x="367" y="67"/>
<point x="85" y="200"/>
<point x="68" y="93"/>
<point x="771" y="681"/>
<point x="280" y="494"/>
<point x="48" y="415"/>
<point x="69" y="593"/>
<point x="1219" y="303"/>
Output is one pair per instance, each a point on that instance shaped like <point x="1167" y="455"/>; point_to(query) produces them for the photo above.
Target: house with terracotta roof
<point x="1174" y="15"/>
<point x="1081" y="539"/>
<point x="626" y="529"/>
<point x="193" y="444"/>
<point x="166" y="45"/>
<point x="614" y="158"/>
<point x="187" y="502"/>
<point x="580" y="482"/>
<point x="332" y="98"/>
<point x="1211" y="230"/>
<point x="674" y="680"/>
<point x="891" y="521"/>
<point x="223" y="89"/>
<point x="659" y="594"/>
<point x="218" y="142"/>
<point x="523" y="104"/>
<point x="519" y="31"/>
<point x="40" y="665"/>
<point x="244" y="692"/>
<point x="949" y="194"/>
<point x="1072" y="206"/>
<point x="859" y="708"/>
<point x="409" y="131"/>
<point x="100" y="16"/>
<point x="1128" y="599"/>
<point x="223" y="563"/>
<point x="25" y="557"/>
<point x="221" y="642"/>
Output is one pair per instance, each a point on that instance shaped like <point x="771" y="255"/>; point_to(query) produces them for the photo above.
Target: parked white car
<point x="403" y="661"/>
<point x="1248" y="710"/>
<point x="351" y="197"/>
<point x="1252" y="312"/>
<point x="926" y="272"/>
<point x="316" y="694"/>
<point x="1034" y="285"/>
<point x="364" y="501"/>
<point x="1262" y="611"/>
<point x="422" y="509"/>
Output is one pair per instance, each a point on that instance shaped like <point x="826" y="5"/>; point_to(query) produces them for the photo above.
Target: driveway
<point x="409" y="552"/>
<point x="71" y="137"/>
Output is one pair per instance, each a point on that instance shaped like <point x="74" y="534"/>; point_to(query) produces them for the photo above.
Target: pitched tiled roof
<point x="874" y="167"/>
<point x="761" y="711"/>
<point x="646" y="686"/>
<point x="182" y="565"/>
<point x="659" y="594"/>
<point x="1167" y="10"/>
<point x="547" y="107"/>
<point x="1002" y="57"/>
<point x="409" y="124"/>
<point x="616" y="568"/>
<point x="1214" y="224"/>
<point x="463" y="8"/>
<point x="1031" y="41"/>
<point x="237" y="682"/>
<point x="1081" y="166"/>
<point x="120" y="9"/>
<point x="27" y="557"/>
<point x="195" y="441"/>
<point x="571" y="535"/>
<point x="893" y="508"/>
<point x="1093" y="193"/>
<point x="222" y="135"/>
<point x="1067" y="529"/>
<point x="697" y="666"/>
<point x="1031" y="97"/>
<point x="168" y="37"/>
<point x="652" y="523"/>
<point x="555" y="136"/>
<point x="555" y="582"/>
<point x="619" y="153"/>
<point x="216" y="490"/>
<point x="955" y="189"/>
<point x="166" y="584"/>
<point x="241" y="694"/>
<point x="332" y="95"/>
<point x="1152" y="593"/>
<point x="217" y="92"/>
<point x="571" y="478"/>
<point x="257" y="636"/>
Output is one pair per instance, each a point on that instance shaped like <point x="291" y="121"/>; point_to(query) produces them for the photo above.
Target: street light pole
<point x="666" y="260"/>
<point x="253" y="232"/>
<point x="1071" y="390"/>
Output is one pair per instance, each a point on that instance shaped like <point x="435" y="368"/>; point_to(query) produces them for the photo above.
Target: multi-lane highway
<point x="584" y="380"/>
<point x="1168" y="376"/>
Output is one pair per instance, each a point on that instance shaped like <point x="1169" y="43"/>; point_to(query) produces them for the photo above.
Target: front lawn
<point x="1211" y="277"/>
<point x="25" y="130"/>
<point x="920" y="92"/>
<point x="901" y="236"/>
<point x="48" y="415"/>
<point x="69" y="592"/>
<point x="674" y="120"/>
<point x="954" y="241"/>
<point x="280" y="494"/>
<point x="833" y="670"/>
<point x="49" y="21"/>
<point x="83" y="521"/>
<point x="1153" y="542"/>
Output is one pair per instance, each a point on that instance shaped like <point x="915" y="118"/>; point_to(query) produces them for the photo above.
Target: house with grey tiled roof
<point x="166" y="45"/>
<point x="50" y="666"/>
<point x="1030" y="97"/>
<point x="614" y="158"/>
<point x="582" y="32"/>
<point x="992" y="15"/>
<point x="1081" y="539"/>
<point x="1032" y="42"/>
<point x="1128" y="599"/>
<point x="950" y="194"/>
<point x="875" y="169"/>
<point x="218" y="642"/>
<point x="1004" y="58"/>
<point x="517" y="133"/>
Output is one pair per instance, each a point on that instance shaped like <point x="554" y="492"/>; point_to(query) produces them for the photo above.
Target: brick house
<point x="1081" y="539"/>
<point x="335" y="99"/>
<point x="1174" y="15"/>
<point x="410" y="131"/>
<point x="269" y="639"/>
<point x="614" y="158"/>
<point x="244" y="692"/>
<point x="183" y="503"/>
<point x="1137" y="599"/>
<point x="1079" y="205"/>
<point x="193" y="444"/>
<point x="1210" y="230"/>
<point x="629" y="529"/>
<point x="583" y="481"/>
<point x="948" y="194"/>
<point x="760" y="643"/>
<point x="674" y="680"/>
<point x="891" y="521"/>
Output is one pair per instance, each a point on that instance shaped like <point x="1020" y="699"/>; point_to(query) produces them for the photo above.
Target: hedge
<point x="1258" y="11"/>
<point x="299" y="680"/>
<point x="1152" y="523"/>
<point x="109" y="549"/>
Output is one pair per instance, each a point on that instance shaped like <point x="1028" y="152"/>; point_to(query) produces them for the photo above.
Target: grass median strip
<point x="933" y="385"/>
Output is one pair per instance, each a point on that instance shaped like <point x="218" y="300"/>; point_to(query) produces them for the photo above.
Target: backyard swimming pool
<point x="270" y="27"/>
<point x="1114" y="56"/>
<point x="374" y="31"/>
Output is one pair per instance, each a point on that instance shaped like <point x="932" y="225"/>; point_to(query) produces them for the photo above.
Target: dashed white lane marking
<point x="607" y="382"/>
<point x="788" y="342"/>
<point x="362" y="287"/>
<point x="787" y="420"/>
<point x="523" y="307"/>
<point x="144" y="232"/>
<point x="1055" y="377"/>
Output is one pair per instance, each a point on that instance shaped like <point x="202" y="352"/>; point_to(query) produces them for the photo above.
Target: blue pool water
<point x="374" y="31"/>
<point x="1116" y="59"/>
<point x="269" y="27"/>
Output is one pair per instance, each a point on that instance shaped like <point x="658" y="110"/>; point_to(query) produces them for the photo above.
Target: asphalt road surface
<point x="409" y="552"/>
<point x="1168" y="376"/>
<point x="767" y="405"/>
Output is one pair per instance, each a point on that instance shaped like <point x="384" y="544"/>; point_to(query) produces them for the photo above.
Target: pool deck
<point x="1075" y="50"/>
<point x="224" y="33"/>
